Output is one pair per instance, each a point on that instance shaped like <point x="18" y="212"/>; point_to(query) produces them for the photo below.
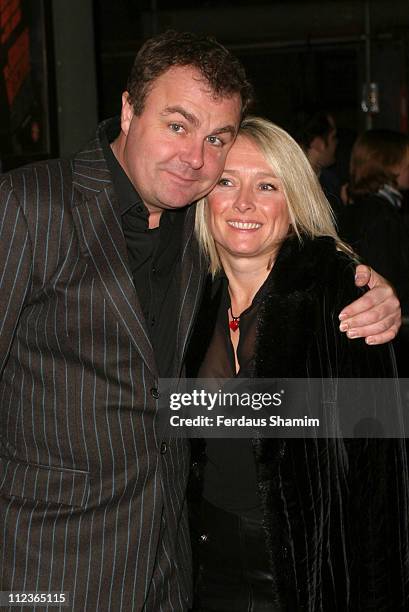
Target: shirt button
<point x="155" y="393"/>
<point x="163" y="448"/>
<point x="154" y="269"/>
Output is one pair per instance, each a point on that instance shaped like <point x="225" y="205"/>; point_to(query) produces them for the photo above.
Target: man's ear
<point x="127" y="113"/>
<point x="318" y="144"/>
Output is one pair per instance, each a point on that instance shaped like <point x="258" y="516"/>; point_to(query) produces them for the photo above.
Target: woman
<point x="311" y="525"/>
<point x="372" y="223"/>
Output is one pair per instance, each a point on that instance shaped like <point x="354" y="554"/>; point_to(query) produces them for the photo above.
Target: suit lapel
<point x="99" y="229"/>
<point x="193" y="271"/>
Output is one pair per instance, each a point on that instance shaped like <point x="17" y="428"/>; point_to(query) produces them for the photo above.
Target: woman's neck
<point x="245" y="277"/>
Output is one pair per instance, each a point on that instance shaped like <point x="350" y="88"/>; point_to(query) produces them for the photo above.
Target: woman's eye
<point x="268" y="187"/>
<point x="224" y="182"/>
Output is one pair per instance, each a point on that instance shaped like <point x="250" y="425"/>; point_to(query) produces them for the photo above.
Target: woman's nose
<point x="244" y="200"/>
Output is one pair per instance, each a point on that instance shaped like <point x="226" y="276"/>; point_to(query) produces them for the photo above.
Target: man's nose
<point x="193" y="154"/>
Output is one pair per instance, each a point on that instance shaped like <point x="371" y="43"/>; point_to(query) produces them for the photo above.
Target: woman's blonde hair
<point x="309" y="211"/>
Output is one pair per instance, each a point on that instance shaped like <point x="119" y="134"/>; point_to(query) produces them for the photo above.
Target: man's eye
<point x="215" y="140"/>
<point x="176" y="127"/>
<point x="268" y="187"/>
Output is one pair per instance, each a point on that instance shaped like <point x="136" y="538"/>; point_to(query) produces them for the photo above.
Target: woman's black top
<point x="230" y="472"/>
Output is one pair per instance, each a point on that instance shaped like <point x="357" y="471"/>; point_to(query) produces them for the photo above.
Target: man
<point x="316" y="132"/>
<point x="100" y="284"/>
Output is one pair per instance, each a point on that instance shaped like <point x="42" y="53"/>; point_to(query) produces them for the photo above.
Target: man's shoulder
<point x="77" y="170"/>
<point x="32" y="176"/>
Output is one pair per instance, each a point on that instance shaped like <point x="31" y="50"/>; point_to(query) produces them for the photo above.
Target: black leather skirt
<point x="233" y="569"/>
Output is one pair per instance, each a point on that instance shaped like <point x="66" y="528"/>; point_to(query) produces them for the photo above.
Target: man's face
<point x="330" y="145"/>
<point x="174" y="152"/>
<point x="323" y="148"/>
<point x="402" y="173"/>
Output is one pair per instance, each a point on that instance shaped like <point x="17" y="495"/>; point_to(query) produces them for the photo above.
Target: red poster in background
<point x="10" y="17"/>
<point x="24" y="82"/>
<point x="18" y="65"/>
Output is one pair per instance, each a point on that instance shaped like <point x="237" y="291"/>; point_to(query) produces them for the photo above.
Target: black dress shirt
<point x="154" y="259"/>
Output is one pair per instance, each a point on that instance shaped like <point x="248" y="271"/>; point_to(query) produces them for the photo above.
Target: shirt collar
<point x="391" y="194"/>
<point x="126" y="192"/>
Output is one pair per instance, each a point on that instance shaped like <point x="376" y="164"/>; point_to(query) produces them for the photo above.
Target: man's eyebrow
<point x="169" y="110"/>
<point x="230" y="129"/>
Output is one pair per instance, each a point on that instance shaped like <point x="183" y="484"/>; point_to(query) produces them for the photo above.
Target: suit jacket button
<point x="203" y="538"/>
<point x="163" y="448"/>
<point x="155" y="393"/>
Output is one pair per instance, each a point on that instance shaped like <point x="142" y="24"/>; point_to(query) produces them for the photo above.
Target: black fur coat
<point x="335" y="511"/>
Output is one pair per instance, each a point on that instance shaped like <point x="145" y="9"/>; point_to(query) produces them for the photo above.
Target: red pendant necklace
<point x="235" y="321"/>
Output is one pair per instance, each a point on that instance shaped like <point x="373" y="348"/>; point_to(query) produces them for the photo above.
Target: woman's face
<point x="402" y="172"/>
<point x="247" y="210"/>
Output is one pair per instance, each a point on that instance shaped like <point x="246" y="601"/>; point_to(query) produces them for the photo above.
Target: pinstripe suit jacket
<point x="92" y="500"/>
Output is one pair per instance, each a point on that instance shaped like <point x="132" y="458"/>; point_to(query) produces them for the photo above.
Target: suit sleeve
<point x="15" y="266"/>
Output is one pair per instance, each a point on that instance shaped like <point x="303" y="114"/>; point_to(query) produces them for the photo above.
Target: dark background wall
<point x="296" y="52"/>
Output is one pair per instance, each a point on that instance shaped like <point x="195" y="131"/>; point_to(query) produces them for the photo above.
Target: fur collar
<point x="291" y="312"/>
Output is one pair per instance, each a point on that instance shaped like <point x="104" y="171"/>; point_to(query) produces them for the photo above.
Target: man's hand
<point x="375" y="316"/>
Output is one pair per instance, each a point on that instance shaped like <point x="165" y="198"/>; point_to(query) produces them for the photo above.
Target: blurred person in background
<point x="316" y="133"/>
<point x="372" y="222"/>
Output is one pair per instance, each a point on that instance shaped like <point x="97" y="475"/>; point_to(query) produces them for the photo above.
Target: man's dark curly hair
<point x="218" y="67"/>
